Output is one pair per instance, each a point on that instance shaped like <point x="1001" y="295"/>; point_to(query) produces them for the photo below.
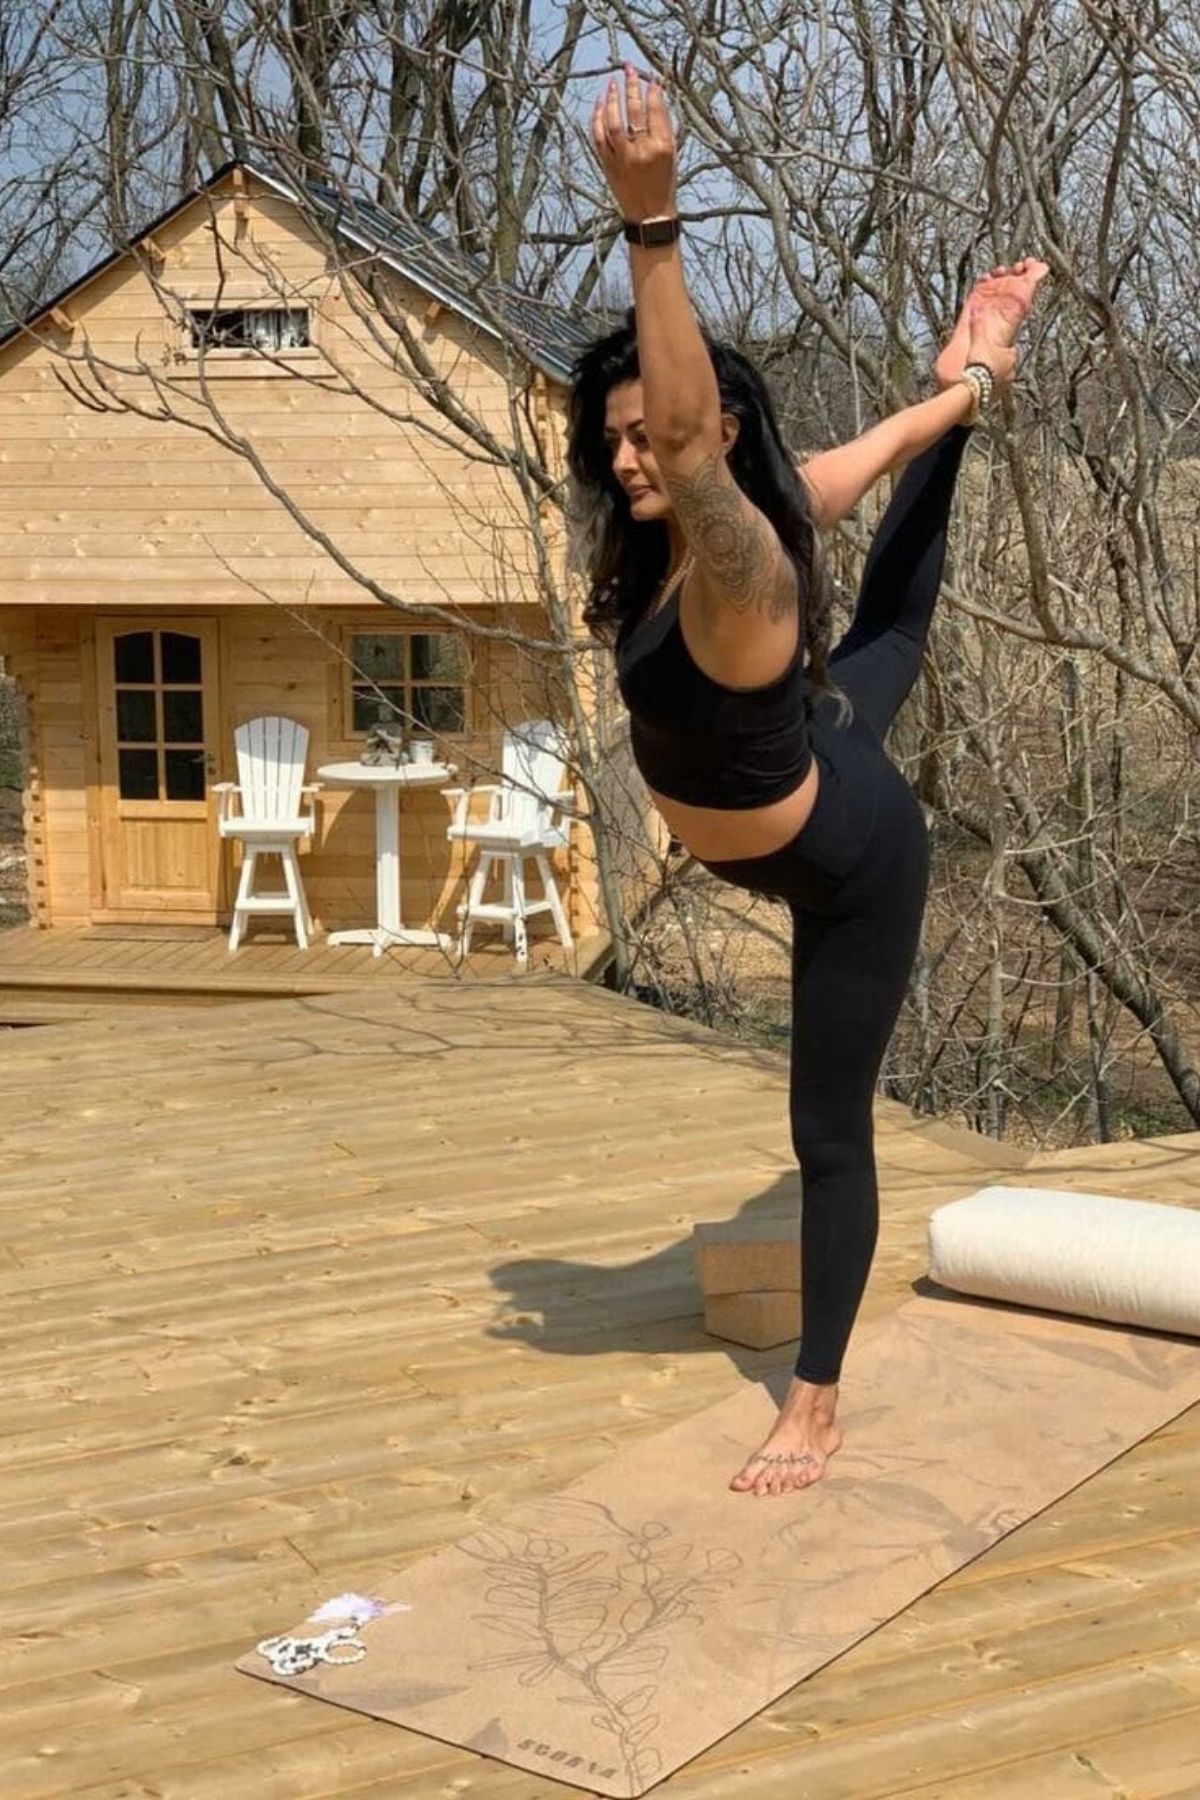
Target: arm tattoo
<point x="735" y="546"/>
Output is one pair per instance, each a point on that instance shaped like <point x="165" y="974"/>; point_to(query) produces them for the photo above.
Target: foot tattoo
<point x="794" y="1458"/>
<point x="792" y="1470"/>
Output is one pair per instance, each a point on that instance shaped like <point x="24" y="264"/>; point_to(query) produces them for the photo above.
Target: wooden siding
<point x="278" y="663"/>
<point x="113" y="513"/>
<point x="112" y="510"/>
<point x="18" y="645"/>
<point x="272" y="660"/>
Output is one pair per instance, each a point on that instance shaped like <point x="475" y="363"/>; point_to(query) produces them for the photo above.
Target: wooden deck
<point x="49" y="975"/>
<point x="297" y="1293"/>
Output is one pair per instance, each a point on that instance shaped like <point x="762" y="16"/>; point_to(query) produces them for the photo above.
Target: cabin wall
<point x="64" y="700"/>
<point x="105" y="511"/>
<point x="50" y="656"/>
<point x="274" y="661"/>
<point x="105" y="507"/>
<point x="18" y="647"/>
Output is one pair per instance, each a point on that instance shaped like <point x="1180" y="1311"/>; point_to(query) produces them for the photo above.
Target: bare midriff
<point x="717" y="834"/>
<point x="721" y="834"/>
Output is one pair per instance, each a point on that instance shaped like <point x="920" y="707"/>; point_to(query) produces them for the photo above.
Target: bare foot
<point x="953" y="359"/>
<point x="990" y="319"/>
<point x="1001" y="303"/>
<point x="801" y="1442"/>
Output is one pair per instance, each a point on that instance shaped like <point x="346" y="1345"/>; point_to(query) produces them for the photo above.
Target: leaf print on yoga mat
<point x="638" y="1659"/>
<point x="559" y="1617"/>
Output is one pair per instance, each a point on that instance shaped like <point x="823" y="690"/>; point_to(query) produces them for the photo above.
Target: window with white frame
<point x="411" y="681"/>
<point x="271" y="328"/>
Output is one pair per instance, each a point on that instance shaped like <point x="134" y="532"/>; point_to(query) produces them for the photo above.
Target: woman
<point x="769" y="773"/>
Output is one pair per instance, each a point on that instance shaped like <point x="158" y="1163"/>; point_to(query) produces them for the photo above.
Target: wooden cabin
<point x="161" y="425"/>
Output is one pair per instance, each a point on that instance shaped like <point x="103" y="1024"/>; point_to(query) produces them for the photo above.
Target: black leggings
<point x="855" y="878"/>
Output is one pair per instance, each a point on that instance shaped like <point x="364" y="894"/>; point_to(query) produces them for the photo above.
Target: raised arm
<point x="740" y="566"/>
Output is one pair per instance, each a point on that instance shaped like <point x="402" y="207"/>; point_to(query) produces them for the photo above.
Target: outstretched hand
<point x="637" y="152"/>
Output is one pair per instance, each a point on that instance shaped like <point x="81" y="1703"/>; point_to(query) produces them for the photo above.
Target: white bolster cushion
<point x="1130" y="1262"/>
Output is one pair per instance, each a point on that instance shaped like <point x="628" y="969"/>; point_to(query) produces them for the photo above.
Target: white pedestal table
<point x="387" y="783"/>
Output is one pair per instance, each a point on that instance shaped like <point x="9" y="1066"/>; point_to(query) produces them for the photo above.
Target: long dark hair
<point x="625" y="562"/>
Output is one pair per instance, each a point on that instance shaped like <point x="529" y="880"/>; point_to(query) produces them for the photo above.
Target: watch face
<point x="652" y="232"/>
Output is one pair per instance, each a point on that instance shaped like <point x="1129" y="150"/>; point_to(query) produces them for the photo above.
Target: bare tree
<point x="844" y="174"/>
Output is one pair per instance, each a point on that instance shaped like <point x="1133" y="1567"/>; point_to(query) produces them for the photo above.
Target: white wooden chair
<point x="528" y="816"/>
<point x="270" y="761"/>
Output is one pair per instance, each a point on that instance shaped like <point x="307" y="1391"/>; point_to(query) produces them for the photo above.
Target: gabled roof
<point x="537" y="329"/>
<point x="550" y="336"/>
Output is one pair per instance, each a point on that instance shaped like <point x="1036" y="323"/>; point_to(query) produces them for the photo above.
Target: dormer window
<point x="270" y="328"/>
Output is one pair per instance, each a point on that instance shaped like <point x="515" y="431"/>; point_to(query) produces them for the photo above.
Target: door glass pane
<point x="133" y="656"/>
<point x="183" y="717"/>
<point x="439" y="708"/>
<point x="378" y="654"/>
<point x="437" y="657"/>
<point x="135" y="716"/>
<point x="185" y="774"/>
<point x="383" y="708"/>
<point x="180" y="657"/>
<point x="138" y="774"/>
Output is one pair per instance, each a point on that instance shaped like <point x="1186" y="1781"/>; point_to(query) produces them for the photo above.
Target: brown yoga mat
<point x="607" y="1634"/>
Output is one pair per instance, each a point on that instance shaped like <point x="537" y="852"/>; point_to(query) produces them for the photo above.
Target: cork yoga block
<point x="740" y="1256"/>
<point x="759" y="1320"/>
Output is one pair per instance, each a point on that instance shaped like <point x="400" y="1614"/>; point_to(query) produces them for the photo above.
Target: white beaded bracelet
<point x="982" y="383"/>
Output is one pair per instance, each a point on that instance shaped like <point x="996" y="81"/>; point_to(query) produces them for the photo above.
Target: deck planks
<point x="89" y="967"/>
<point x="296" y="1293"/>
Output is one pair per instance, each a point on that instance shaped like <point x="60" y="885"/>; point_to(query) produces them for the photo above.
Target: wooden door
<point x="159" y="721"/>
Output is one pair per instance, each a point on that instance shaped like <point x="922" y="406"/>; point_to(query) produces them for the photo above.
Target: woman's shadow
<point x="568" y="1308"/>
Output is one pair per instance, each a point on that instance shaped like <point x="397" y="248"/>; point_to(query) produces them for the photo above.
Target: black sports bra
<point x="698" y="742"/>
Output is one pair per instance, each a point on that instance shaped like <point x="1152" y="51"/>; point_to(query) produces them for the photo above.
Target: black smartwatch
<point x="651" y="234"/>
